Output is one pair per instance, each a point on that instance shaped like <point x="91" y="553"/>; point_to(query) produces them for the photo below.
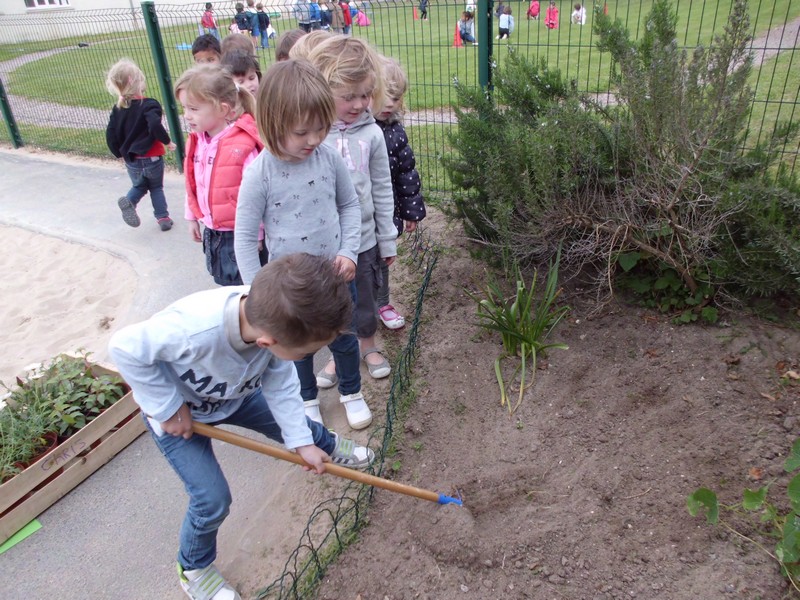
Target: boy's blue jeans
<point x="147" y="175"/>
<point x="264" y="39"/>
<point x="209" y="495"/>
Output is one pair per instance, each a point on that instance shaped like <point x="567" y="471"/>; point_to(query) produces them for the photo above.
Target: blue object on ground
<point x="183" y="46"/>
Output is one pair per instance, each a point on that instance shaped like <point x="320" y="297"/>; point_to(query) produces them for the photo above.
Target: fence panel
<point x="56" y="81"/>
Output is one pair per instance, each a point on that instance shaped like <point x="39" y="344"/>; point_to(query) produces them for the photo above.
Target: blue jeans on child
<point x="147" y="175"/>
<point x="264" y="39"/>
<point x="344" y="349"/>
<point x="209" y="494"/>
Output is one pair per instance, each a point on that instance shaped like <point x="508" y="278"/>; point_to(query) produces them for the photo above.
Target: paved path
<point x="115" y="535"/>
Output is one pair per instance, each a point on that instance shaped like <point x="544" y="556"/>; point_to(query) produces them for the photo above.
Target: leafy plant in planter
<point x="23" y="435"/>
<point x="61" y="398"/>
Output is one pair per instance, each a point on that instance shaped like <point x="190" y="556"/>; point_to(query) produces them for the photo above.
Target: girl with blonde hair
<point x="135" y="134"/>
<point x="409" y="205"/>
<point x="354" y="71"/>
<point x="223" y="141"/>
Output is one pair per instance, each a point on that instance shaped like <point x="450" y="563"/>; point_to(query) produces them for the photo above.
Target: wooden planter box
<point x="42" y="484"/>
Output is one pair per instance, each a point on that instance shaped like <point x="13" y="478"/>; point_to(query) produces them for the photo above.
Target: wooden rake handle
<point x="337" y="470"/>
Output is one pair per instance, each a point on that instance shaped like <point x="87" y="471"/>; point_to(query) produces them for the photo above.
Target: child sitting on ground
<point x="206" y="49"/>
<point x="135" y="133"/>
<point x="505" y="24"/>
<point x="409" y="206"/>
<point x="466" y="27"/>
<point x="222" y="357"/>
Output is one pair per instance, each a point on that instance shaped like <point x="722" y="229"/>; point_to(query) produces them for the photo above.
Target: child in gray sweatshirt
<point x="220" y="356"/>
<point x="302" y="193"/>
<point x="354" y="71"/>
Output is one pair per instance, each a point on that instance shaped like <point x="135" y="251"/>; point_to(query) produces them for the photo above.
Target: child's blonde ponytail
<point x="126" y="81"/>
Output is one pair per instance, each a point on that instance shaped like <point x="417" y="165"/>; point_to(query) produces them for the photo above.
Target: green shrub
<point x="658" y="174"/>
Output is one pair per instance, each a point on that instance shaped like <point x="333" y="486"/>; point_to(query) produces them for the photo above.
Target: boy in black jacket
<point x="135" y="133"/>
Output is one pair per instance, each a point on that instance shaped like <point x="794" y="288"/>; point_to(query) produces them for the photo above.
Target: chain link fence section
<point x="53" y="63"/>
<point x="334" y="523"/>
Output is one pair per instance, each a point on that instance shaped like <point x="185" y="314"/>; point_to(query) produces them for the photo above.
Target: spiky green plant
<point x="523" y="326"/>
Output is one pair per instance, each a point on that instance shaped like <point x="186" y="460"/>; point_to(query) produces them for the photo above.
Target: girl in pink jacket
<point x="223" y="141"/>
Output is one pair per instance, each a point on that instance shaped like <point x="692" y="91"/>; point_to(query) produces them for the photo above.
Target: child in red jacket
<point x="223" y="141"/>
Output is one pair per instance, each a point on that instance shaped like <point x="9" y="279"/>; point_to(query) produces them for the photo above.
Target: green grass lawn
<point x="777" y="98"/>
<point x="423" y="47"/>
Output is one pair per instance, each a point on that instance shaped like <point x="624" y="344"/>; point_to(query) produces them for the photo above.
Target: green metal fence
<point x="52" y="65"/>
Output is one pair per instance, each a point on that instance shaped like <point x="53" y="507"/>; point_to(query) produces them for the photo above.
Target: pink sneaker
<point x="390" y="317"/>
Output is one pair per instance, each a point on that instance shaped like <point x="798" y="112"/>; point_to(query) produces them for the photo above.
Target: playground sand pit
<point x="581" y="494"/>
<point x="59" y="297"/>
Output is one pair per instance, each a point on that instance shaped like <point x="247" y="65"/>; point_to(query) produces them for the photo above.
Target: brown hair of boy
<point x="285" y="42"/>
<point x="231" y="43"/>
<point x="299" y="299"/>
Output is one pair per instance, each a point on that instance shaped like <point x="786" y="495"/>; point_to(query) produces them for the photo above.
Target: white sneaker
<point x="206" y="584"/>
<point x="349" y="454"/>
<point x="359" y="415"/>
<point x="312" y="410"/>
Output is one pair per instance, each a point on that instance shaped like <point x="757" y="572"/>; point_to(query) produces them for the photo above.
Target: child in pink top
<point x="551" y="16"/>
<point x="223" y="141"/>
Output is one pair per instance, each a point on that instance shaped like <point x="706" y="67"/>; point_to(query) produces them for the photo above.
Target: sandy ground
<point x="65" y="297"/>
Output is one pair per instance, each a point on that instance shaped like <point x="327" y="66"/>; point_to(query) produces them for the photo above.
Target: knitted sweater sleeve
<point x="250" y="210"/>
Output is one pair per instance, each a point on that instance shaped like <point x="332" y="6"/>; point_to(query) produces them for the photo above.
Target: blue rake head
<point x="458" y="501"/>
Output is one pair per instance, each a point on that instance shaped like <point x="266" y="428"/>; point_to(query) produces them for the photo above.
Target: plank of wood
<point x="74" y="474"/>
<point x="23" y="483"/>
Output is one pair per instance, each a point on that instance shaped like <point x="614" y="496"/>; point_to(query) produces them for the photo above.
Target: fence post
<point x="164" y="79"/>
<point x="8" y="117"/>
<point x="485" y="9"/>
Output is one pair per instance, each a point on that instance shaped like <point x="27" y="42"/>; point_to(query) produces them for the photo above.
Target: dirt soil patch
<point x="582" y="493"/>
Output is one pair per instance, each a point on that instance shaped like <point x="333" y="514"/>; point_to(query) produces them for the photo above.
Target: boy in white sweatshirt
<point x="224" y="356"/>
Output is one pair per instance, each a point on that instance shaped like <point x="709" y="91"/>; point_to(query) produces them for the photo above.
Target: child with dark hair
<point x="505" y="25"/>
<point x="242" y="19"/>
<point x="286" y="42"/>
<point x="263" y="25"/>
<point x="244" y="68"/>
<point x="209" y="23"/>
<point x="223" y="356"/>
<point x="206" y="49"/>
<point x="551" y="16"/>
<point x="466" y="28"/>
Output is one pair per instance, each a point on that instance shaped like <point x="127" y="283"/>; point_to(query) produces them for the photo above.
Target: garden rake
<point x="393" y="486"/>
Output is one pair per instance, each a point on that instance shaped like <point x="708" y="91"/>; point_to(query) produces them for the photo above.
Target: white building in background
<point x="58" y="19"/>
<point x="17" y="7"/>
